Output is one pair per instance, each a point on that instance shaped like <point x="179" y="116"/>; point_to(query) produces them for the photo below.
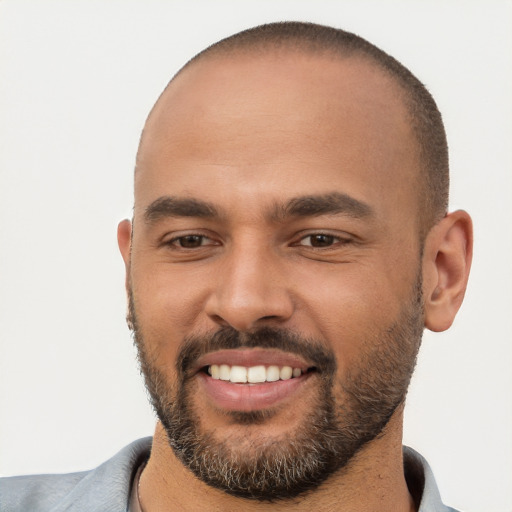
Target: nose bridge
<point x="251" y="287"/>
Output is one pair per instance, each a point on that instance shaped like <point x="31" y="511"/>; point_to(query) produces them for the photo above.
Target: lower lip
<point x="250" y="397"/>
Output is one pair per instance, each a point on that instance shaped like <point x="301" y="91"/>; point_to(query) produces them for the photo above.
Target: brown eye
<point x="190" y="241"/>
<point x="321" y="240"/>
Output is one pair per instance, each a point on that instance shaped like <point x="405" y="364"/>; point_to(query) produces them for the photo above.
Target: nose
<point x="250" y="290"/>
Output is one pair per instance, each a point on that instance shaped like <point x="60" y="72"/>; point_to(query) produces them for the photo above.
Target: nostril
<point x="219" y="320"/>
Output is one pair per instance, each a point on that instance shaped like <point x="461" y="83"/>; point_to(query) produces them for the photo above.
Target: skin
<point x="244" y="134"/>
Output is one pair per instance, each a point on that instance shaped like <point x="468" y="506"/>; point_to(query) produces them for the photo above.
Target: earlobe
<point x="446" y="263"/>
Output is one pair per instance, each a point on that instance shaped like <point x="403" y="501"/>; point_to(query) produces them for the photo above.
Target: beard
<point x="346" y="414"/>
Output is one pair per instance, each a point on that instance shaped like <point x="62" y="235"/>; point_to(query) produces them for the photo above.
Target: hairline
<point x="408" y="88"/>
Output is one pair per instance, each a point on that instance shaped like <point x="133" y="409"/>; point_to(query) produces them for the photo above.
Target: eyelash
<point x="175" y="241"/>
<point x="332" y="240"/>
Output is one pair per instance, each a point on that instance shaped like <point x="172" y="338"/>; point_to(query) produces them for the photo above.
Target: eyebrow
<point x="333" y="203"/>
<point x="168" y="206"/>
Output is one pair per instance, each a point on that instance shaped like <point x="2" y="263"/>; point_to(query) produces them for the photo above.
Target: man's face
<point x="276" y="232"/>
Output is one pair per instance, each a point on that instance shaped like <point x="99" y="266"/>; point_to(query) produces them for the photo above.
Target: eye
<point x="190" y="241"/>
<point x="319" y="240"/>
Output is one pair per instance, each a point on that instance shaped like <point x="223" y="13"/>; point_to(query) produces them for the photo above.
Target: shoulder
<point x="105" y="488"/>
<point x="422" y="484"/>
<point x="36" y="492"/>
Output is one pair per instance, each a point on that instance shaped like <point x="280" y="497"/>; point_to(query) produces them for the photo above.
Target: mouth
<point x="254" y="374"/>
<point x="250" y="380"/>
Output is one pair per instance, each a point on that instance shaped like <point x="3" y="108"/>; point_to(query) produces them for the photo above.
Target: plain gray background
<point x="77" y="79"/>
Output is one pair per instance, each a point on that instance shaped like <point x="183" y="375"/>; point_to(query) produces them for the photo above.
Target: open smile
<point x="249" y="380"/>
<point x="253" y="374"/>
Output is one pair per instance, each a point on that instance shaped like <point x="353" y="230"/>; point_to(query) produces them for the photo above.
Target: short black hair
<point x="424" y="115"/>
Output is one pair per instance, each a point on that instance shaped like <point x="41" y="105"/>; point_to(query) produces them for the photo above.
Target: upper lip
<point x="252" y="357"/>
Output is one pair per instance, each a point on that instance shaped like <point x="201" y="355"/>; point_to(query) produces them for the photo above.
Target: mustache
<point x="228" y="338"/>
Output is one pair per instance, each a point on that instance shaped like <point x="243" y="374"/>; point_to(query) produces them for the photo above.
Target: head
<point x="290" y="216"/>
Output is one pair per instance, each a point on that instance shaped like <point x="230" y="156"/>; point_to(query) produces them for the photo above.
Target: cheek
<point x="167" y="309"/>
<point x="350" y="309"/>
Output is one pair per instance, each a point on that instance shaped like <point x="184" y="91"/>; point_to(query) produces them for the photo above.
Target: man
<point x="289" y="243"/>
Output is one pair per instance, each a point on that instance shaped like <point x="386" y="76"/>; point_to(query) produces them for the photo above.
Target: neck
<point x="373" y="481"/>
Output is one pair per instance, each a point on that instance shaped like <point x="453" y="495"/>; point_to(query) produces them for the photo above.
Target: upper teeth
<point x="253" y="374"/>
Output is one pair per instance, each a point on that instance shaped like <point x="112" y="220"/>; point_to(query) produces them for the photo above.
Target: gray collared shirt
<point x="110" y="487"/>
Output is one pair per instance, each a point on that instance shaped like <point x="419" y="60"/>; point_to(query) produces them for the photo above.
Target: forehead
<point x="304" y="117"/>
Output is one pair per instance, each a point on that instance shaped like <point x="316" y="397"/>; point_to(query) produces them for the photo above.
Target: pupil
<point x="190" y="241"/>
<point x="321" y="240"/>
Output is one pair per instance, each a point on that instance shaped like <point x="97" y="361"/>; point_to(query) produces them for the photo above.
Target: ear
<point x="124" y="240"/>
<point x="446" y="262"/>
